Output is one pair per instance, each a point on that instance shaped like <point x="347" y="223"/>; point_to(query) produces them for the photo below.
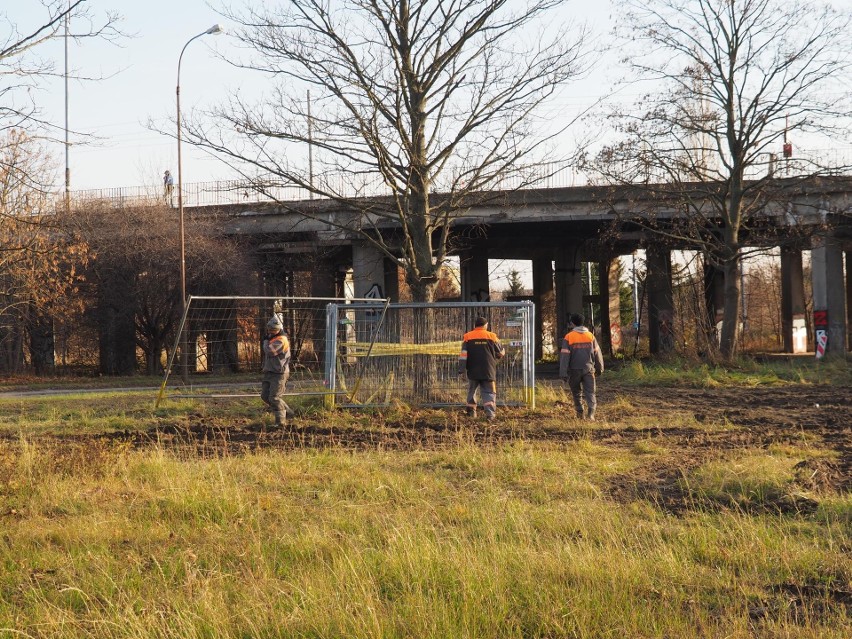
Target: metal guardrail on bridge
<point x="230" y="192"/>
<point x="543" y="176"/>
<point x="220" y="193"/>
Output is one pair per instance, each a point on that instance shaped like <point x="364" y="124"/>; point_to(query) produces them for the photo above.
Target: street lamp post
<point x="216" y="28"/>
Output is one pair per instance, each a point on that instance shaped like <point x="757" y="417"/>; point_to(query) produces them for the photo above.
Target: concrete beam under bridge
<point x="849" y="299"/>
<point x="610" y="305"/>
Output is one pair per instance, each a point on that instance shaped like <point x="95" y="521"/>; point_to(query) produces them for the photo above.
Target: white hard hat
<point x="275" y="323"/>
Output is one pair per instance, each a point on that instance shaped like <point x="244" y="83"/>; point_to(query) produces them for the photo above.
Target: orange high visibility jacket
<point x="276" y="354"/>
<point x="580" y="352"/>
<point x="479" y="354"/>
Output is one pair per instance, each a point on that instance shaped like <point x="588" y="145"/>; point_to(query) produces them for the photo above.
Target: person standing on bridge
<point x="276" y="369"/>
<point x="168" y="188"/>
<point x="580" y="359"/>
<point x="479" y="354"/>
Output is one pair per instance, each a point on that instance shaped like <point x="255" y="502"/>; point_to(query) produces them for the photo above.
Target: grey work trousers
<point x="583" y="381"/>
<point x="487" y="394"/>
<point x="271" y="390"/>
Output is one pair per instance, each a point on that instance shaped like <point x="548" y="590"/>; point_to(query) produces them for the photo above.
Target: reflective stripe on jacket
<point x="580" y="352"/>
<point x="276" y="354"/>
<point x="479" y="354"/>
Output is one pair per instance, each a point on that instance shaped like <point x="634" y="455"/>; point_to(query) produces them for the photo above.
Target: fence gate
<point x="409" y="352"/>
<point x="217" y="350"/>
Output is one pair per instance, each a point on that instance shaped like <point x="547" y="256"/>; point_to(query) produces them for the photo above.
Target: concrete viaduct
<point x="559" y="229"/>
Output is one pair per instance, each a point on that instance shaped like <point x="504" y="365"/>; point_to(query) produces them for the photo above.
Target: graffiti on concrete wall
<point x="821" y="332"/>
<point x="374" y="293"/>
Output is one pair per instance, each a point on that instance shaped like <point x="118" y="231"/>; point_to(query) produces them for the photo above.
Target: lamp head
<point x="216" y="28"/>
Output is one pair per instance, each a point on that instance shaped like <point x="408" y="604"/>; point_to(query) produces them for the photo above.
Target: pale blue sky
<point x="140" y="76"/>
<point x="142" y="73"/>
<point x="140" y="86"/>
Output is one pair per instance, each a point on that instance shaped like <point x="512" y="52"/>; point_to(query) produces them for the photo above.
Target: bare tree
<point x="732" y="79"/>
<point x="38" y="267"/>
<point x="21" y="67"/>
<point x="133" y="268"/>
<point x="429" y="102"/>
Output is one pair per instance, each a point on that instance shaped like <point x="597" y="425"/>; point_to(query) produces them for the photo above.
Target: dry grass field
<point x="699" y="505"/>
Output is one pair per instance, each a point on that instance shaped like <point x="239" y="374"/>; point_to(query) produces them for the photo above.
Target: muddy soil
<point x="692" y="425"/>
<point x="709" y="423"/>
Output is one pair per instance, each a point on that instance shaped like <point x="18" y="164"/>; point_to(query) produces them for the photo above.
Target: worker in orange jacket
<point x="580" y="359"/>
<point x="276" y="369"/>
<point x="479" y="354"/>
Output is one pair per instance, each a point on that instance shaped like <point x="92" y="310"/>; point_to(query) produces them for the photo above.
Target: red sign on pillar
<point x="821" y="332"/>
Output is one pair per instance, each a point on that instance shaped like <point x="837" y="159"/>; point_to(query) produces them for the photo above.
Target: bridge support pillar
<point x="714" y="300"/>
<point x="368" y="270"/>
<point x="474" y="275"/>
<point x="829" y="297"/>
<point x="660" y="300"/>
<point x="545" y="329"/>
<point x="610" y="305"/>
<point x="569" y="287"/>
<point x="794" y="332"/>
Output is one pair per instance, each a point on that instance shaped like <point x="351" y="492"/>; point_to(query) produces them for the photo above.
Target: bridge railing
<point x="217" y="193"/>
<point x="805" y="163"/>
<point x="541" y="176"/>
<point x="230" y="192"/>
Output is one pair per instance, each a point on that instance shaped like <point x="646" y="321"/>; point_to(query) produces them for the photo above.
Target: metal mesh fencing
<point x="217" y="352"/>
<point x="409" y="352"/>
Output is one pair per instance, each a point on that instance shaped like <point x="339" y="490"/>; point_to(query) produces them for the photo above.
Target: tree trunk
<point x="731" y="267"/>
<point x="153" y="354"/>
<point x="425" y="371"/>
<point x="11" y="349"/>
<point x="42" y="343"/>
<point x="116" y="327"/>
<point x="730" y="319"/>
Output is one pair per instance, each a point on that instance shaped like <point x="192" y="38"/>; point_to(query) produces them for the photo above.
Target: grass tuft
<point x="754" y="483"/>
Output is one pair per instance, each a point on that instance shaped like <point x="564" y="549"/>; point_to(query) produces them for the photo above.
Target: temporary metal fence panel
<point x="410" y="354"/>
<point x="219" y="338"/>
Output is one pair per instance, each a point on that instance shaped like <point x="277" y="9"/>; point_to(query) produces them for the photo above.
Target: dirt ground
<point x="736" y="419"/>
<point x="693" y="426"/>
<point x="757" y="418"/>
